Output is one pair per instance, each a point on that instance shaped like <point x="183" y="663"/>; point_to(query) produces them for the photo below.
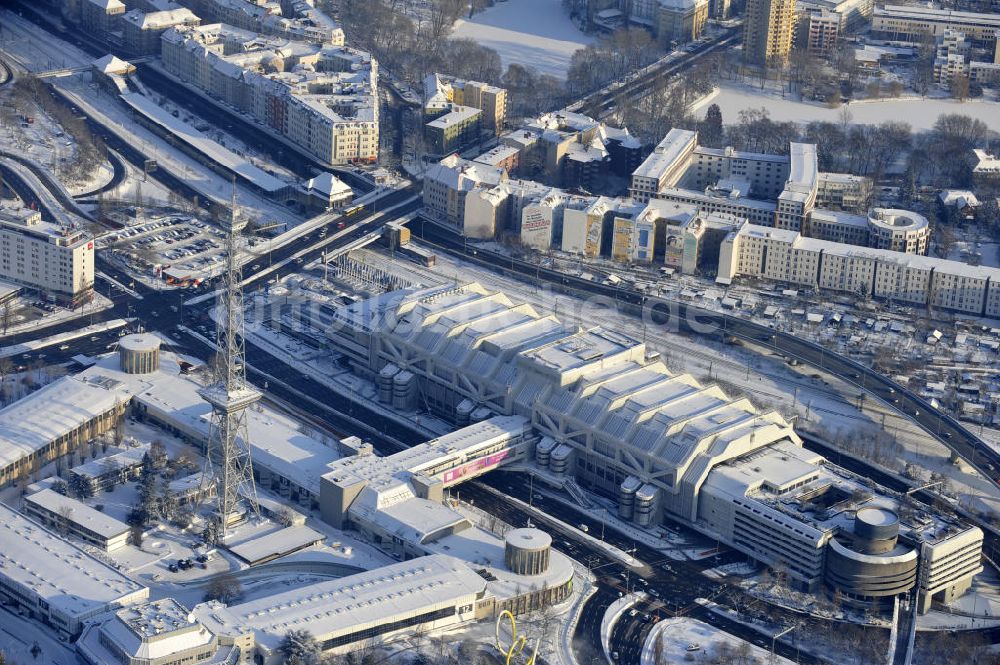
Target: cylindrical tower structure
<point x="139" y="353"/>
<point x="527" y="551"/>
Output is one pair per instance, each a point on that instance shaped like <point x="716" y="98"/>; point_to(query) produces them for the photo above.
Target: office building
<point x="768" y="30"/>
<point x="913" y="23"/>
<point x="54" y="581"/>
<point x="320" y="98"/>
<point x="55" y="260"/>
<point x="75" y="519"/>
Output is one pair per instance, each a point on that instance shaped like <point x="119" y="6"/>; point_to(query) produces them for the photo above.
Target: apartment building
<point x="768" y="31"/>
<point x="57" y="261"/>
<point x="665" y="166"/>
<point x="987" y="168"/>
<point x="142" y="31"/>
<point x="912" y="23"/>
<point x="101" y="17"/>
<point x="442" y="92"/>
<point x="321" y="98"/>
<point x="679" y="21"/>
<point x="303" y="23"/>
<point x="785" y="256"/>
<point x="821" y="31"/>
<point x="457" y="128"/>
<point x="447" y="183"/>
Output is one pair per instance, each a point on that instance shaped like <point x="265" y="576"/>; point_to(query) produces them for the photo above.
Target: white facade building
<point x="58" y="261"/>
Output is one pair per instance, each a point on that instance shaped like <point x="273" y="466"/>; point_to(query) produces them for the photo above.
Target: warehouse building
<point x="54" y="581"/>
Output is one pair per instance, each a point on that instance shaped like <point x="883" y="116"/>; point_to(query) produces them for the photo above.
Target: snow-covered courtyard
<point x="921" y="113"/>
<point x="534" y="33"/>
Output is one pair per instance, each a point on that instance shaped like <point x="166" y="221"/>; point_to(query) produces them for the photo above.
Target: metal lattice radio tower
<point x="228" y="462"/>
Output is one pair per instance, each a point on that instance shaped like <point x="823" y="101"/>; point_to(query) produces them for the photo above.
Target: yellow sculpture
<point x="517" y="642"/>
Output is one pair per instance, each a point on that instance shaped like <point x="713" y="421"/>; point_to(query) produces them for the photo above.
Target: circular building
<point x="867" y="564"/>
<point x="898" y="230"/>
<point x="527" y="551"/>
<point x="139" y="353"/>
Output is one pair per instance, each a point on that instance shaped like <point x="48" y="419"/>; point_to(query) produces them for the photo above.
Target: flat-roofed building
<point x="54" y="421"/>
<point x="427" y="593"/>
<point x="664" y="166"/>
<point x="843" y="191"/>
<point x="74" y="518"/>
<point x="454" y="130"/>
<point x="322" y="98"/>
<point x="56" y="260"/>
<point x="55" y="581"/>
<point x="913" y="23"/>
<point x="785" y="256"/>
<point x="160" y="632"/>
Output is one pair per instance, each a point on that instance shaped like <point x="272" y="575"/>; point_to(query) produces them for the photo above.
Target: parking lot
<point x="170" y="250"/>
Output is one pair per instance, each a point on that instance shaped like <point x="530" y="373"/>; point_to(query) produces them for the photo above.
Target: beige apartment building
<point x="768" y="30"/>
<point x="442" y="93"/>
<point x="681" y="21"/>
<point x="57" y="261"/>
<point x="786" y="256"/>
<point x="320" y="98"/>
<point x="142" y="31"/>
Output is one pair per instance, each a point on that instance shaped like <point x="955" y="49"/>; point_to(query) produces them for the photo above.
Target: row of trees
<point x="941" y="157"/>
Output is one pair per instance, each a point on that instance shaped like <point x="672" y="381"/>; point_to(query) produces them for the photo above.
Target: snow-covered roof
<point x="328" y="185"/>
<point x="340" y="607"/>
<point x="78" y="512"/>
<point x="275" y="544"/>
<point x="960" y="198"/>
<point x="43" y="565"/>
<point x="217" y="153"/>
<point x="155" y="630"/>
<point x="276" y="440"/>
<point x="160" y="20"/>
<point x="457" y="114"/>
<point x="112" y="64"/>
<point x="803" y="173"/>
<point x="61" y="407"/>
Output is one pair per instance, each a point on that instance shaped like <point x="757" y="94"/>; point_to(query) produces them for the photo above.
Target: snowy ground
<point x="534" y="33"/>
<point x="684" y="639"/>
<point x="919" y="112"/>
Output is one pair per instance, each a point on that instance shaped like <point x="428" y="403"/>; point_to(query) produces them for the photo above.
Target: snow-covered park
<point x="921" y="113"/>
<point x="535" y="33"/>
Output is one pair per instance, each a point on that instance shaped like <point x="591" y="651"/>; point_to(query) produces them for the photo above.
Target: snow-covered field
<point x="920" y="113"/>
<point x="535" y="33"/>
